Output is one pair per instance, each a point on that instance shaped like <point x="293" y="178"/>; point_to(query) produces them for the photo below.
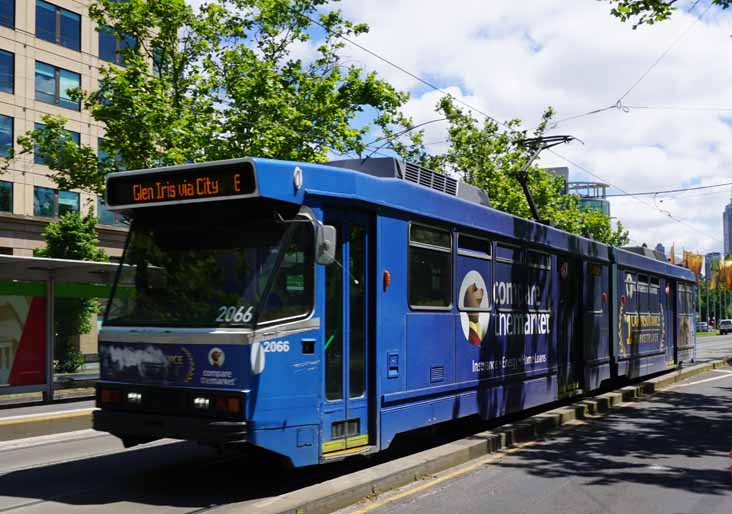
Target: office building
<point x="47" y="47"/>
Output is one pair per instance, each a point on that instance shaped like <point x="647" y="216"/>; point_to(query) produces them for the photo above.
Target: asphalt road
<point x="684" y="431"/>
<point x="669" y="455"/>
<point x="713" y="347"/>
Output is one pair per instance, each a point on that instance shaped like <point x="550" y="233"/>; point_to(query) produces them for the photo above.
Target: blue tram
<point x="317" y="311"/>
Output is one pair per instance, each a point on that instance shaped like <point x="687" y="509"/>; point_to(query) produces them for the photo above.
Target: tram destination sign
<point x="197" y="183"/>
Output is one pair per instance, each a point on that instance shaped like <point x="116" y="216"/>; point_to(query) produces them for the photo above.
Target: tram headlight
<point x="134" y="398"/>
<point x="201" y="403"/>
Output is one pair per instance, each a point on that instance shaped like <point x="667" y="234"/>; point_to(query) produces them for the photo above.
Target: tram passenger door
<point x="345" y="407"/>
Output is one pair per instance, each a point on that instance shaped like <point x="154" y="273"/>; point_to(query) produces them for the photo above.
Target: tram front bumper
<point x="142" y="426"/>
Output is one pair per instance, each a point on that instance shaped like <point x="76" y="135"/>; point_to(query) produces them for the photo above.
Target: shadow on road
<point x="632" y="445"/>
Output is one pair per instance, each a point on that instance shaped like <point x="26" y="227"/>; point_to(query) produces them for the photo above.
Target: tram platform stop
<point x="29" y="289"/>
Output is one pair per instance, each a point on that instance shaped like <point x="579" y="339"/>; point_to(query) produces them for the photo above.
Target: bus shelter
<point x="28" y="287"/>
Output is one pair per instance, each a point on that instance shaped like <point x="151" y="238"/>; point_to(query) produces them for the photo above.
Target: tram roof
<point x="295" y="181"/>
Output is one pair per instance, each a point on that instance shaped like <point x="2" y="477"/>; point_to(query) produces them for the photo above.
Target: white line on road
<point x="726" y="375"/>
<point x="42" y="440"/>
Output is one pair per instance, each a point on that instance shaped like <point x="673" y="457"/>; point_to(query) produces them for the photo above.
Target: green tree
<point x="489" y="157"/>
<point x="648" y="12"/>
<point x="227" y="81"/>
<point x="72" y="237"/>
<point x="221" y="82"/>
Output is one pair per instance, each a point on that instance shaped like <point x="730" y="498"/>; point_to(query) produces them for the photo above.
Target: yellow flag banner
<point x="685" y="260"/>
<point x="694" y="263"/>
<point x="728" y="273"/>
<point x="720" y="279"/>
<point x="713" y="281"/>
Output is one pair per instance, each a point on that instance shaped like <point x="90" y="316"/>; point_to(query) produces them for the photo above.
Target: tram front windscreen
<point x="223" y="264"/>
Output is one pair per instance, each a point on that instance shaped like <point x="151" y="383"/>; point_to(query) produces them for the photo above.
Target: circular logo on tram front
<point x="473" y="295"/>
<point x="216" y="357"/>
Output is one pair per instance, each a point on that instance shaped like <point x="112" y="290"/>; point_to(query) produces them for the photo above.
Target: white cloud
<point x="514" y="58"/>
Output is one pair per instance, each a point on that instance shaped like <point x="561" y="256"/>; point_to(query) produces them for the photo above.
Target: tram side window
<point x="631" y="294"/>
<point x="430" y="267"/>
<point x="539" y="267"/>
<point x="687" y="299"/>
<point x="642" y="292"/>
<point x="594" y="288"/>
<point x="654" y="304"/>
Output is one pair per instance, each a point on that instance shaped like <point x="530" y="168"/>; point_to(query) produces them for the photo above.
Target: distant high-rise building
<point x="661" y="248"/>
<point x="592" y="195"/>
<point x="727" y="222"/>
<point x="560" y="171"/>
<point x="711" y="262"/>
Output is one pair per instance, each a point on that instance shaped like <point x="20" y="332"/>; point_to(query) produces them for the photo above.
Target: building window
<point x="7" y="72"/>
<point x="7" y="13"/>
<point x="58" y="25"/>
<point x="51" y="203"/>
<point x="38" y="159"/>
<point x="111" y="48"/>
<point x="53" y="84"/>
<point x="6" y="135"/>
<point x="6" y="196"/>
<point x="107" y="217"/>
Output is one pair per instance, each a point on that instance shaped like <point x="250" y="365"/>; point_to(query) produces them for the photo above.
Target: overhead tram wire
<point x="680" y="190"/>
<point x="630" y="195"/>
<point x="495" y="120"/>
<point x="407" y="72"/>
<point x="619" y="102"/>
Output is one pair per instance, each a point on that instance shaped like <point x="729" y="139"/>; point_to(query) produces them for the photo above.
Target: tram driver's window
<point x="291" y="294"/>
<point x="430" y="267"/>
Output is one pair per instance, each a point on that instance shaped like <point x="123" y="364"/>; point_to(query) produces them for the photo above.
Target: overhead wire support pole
<point x="538" y="145"/>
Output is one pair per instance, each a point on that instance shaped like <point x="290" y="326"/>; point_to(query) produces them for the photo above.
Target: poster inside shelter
<point x="22" y="340"/>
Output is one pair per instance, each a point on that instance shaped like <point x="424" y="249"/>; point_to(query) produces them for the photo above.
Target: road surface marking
<point x="46" y="416"/>
<point x="486" y="460"/>
<point x="726" y="375"/>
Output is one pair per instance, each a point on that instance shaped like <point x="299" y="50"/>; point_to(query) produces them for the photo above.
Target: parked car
<point x="725" y="326"/>
<point x="702" y="326"/>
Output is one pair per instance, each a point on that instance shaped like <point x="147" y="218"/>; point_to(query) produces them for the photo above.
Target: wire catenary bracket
<point x="537" y="145"/>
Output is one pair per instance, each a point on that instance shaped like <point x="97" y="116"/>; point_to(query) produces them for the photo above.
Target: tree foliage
<point x="72" y="237"/>
<point x="266" y="78"/>
<point x="648" y="12"/>
<point x="489" y="157"/>
<point x="233" y="79"/>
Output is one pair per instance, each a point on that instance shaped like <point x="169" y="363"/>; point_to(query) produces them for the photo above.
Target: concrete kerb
<point x="343" y="491"/>
<point x="34" y="425"/>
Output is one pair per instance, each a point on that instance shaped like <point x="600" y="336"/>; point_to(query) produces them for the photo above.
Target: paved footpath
<point x="667" y="455"/>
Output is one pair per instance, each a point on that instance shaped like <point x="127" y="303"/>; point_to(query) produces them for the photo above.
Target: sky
<point x="513" y="59"/>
